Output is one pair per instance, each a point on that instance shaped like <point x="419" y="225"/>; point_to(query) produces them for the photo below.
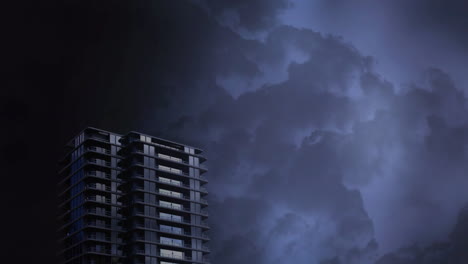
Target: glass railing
<point x="175" y="219"/>
<point x="99" y="162"/>
<point x="98" y="250"/>
<point x="174" y="256"/>
<point x="98" y="224"/>
<point x="98" y="187"/>
<point x="100" y="150"/>
<point x="174" y="243"/>
<point x="173" y="231"/>
<point x="169" y="218"/>
<point x="182" y="208"/>
<point x="173" y="206"/>
<point x="169" y="169"/>
<point x="167" y="157"/>
<point x="161" y="145"/>
<point x="98" y="199"/>
<point x="99" y="174"/>
<point x="98" y="212"/>
<point x="106" y="139"/>
<point x="172" y="194"/>
<point x="172" y="182"/>
<point x="99" y="237"/>
<point x="170" y="230"/>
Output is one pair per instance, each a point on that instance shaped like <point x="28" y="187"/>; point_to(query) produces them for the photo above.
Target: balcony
<point x="178" y="171"/>
<point x="172" y="183"/>
<point x="99" y="237"/>
<point x="172" y="231"/>
<point x="184" y="245"/>
<point x="99" y="162"/>
<point x="182" y="208"/>
<point x="172" y="170"/>
<point x="100" y="138"/>
<point x="171" y="158"/>
<point x="97" y="224"/>
<point x="167" y="157"/>
<point x="174" y="207"/>
<point x="99" y="150"/>
<point x="98" y="174"/>
<point x="98" y="250"/>
<point x="98" y="212"/>
<point x="99" y="187"/>
<point x="169" y="218"/>
<point x="175" y="244"/>
<point x="98" y="199"/>
<point x="173" y="194"/>
<point x="182" y="257"/>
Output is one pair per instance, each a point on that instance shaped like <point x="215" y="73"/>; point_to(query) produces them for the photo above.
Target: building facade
<point x="131" y="199"/>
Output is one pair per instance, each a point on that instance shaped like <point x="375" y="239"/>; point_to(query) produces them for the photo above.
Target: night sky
<point x="336" y="131"/>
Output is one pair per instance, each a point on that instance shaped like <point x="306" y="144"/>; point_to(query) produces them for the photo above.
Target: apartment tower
<point x="131" y="199"/>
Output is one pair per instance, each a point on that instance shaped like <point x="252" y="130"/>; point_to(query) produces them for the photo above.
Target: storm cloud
<point x="316" y="154"/>
<point x="404" y="36"/>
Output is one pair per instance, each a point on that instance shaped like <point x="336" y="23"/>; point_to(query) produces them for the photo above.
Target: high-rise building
<point x="131" y="199"/>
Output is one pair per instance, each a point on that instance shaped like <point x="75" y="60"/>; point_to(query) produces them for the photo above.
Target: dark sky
<point x="336" y="131"/>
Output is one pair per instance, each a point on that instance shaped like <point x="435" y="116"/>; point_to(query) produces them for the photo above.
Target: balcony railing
<point x="174" y="206"/>
<point x="183" y="257"/>
<point x="99" y="212"/>
<point x="175" y="195"/>
<point x="175" y="244"/>
<point x="182" y="208"/>
<point x="172" y="182"/>
<point x="167" y="157"/>
<point x="97" y="224"/>
<point x="177" y="183"/>
<point x="99" y="162"/>
<point x="100" y="187"/>
<point x="173" y="219"/>
<point x="173" y="256"/>
<point x="98" y="174"/>
<point x="171" y="158"/>
<point x="172" y="231"/>
<point x="98" y="250"/>
<point x="185" y="245"/>
<point x="97" y="237"/>
<point x="172" y="170"/>
<point x="98" y="199"/>
<point x="100" y="150"/>
<point x="98" y="138"/>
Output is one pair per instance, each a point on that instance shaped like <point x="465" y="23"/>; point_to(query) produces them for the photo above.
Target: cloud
<point x="255" y="153"/>
<point x="370" y="161"/>
<point x="405" y="37"/>
<point x="253" y="16"/>
<point x="451" y="251"/>
<point x="446" y="18"/>
<point x="314" y="157"/>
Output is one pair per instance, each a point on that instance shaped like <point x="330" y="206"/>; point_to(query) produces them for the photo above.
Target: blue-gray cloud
<point x="314" y="157"/>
